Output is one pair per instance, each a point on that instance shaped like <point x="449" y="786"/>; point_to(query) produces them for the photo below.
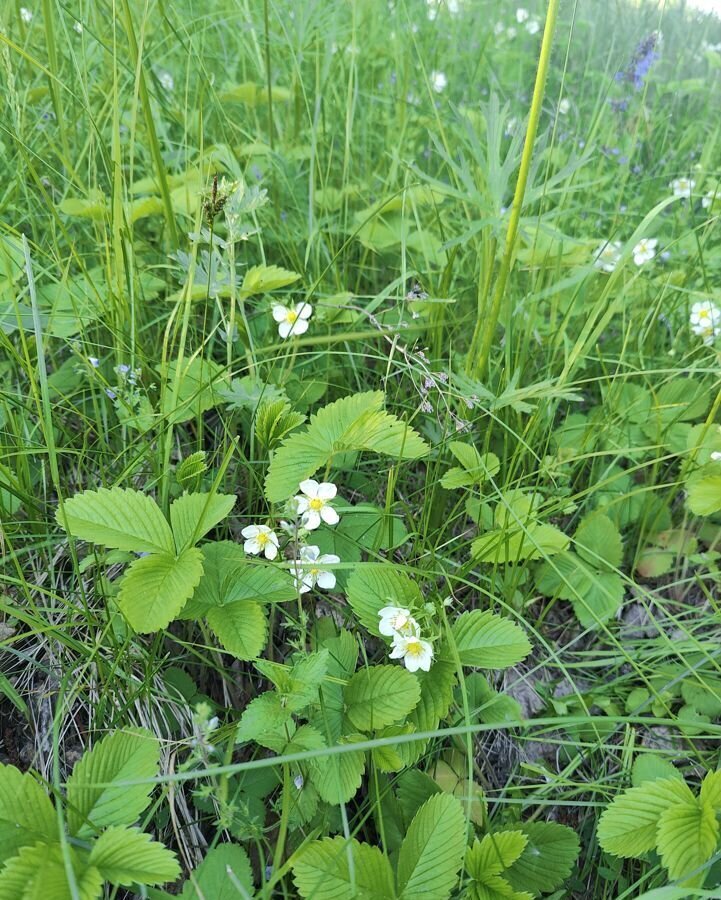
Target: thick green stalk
<point x="478" y="361"/>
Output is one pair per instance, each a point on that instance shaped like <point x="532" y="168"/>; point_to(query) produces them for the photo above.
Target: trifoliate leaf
<point x="536" y="540"/>
<point x="596" y="595"/>
<point x="494" y="853"/>
<point x="38" y="873"/>
<point x="598" y="542"/>
<point x="628" y="826"/>
<point x="262" y="279"/>
<point x="336" y="869"/>
<point x="116" y="759"/>
<point x="488" y="641"/>
<point x="119" y="518"/>
<point x="127" y="855"/>
<point x="26" y="813"/>
<point x="193" y="515"/>
<point x="353" y="423"/>
<point x="155" y="588"/>
<point x="379" y="696"/>
<point x="432" y="851"/>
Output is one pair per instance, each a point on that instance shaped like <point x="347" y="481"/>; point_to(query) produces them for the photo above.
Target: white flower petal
<point x="309" y="487"/>
<point x="284" y="329"/>
<point x="326" y="490"/>
<point x="251" y="546"/>
<point x="311" y="519"/>
<point x="250" y="531"/>
<point x="300" y="326"/>
<point x="271" y="550"/>
<point x="304" y="310"/>
<point x="329" y="515"/>
<point x="326" y="580"/>
<point x="279" y="312"/>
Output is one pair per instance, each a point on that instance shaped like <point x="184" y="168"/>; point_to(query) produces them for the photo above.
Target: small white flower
<point x="607" y="256"/>
<point x="439" y="81"/>
<point x="308" y="572"/>
<point x="396" y="620"/>
<point x="260" y="539"/>
<point x="682" y="187"/>
<point x="315" y="505"/>
<point x="166" y="81"/>
<point x="511" y="33"/>
<point x="522" y="15"/>
<point x="415" y="652"/>
<point x="716" y="456"/>
<point x="292" y="320"/>
<point x="705" y="320"/>
<point x="644" y="251"/>
<point x="711" y="197"/>
<point x="78" y="27"/>
<point x="533" y="26"/>
<point x="498" y="29"/>
<point x="94" y="361"/>
<point x="26" y="15"/>
<point x="564" y="106"/>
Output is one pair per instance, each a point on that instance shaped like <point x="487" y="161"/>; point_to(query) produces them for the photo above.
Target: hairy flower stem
<point x="477" y="363"/>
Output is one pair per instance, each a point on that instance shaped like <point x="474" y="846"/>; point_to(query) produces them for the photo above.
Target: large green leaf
<point x="432" y="851"/>
<point x="127" y="855"/>
<point x="26" y="813"/>
<point x="535" y="540"/>
<point x="435" y="700"/>
<point x="596" y="595"/>
<point x="488" y="641"/>
<point x="494" y="853"/>
<point x="598" y="541"/>
<point x="118" y="758"/>
<point x="212" y="879"/>
<point x="193" y="515"/>
<point x="627" y="828"/>
<point x="704" y="491"/>
<point x="687" y="837"/>
<point x="338" y="776"/>
<point x="261" y="279"/>
<point x="200" y="384"/>
<point x="547" y="859"/>
<point x="711" y="789"/>
<point x="120" y="518"/>
<point x="375" y="585"/>
<point x="155" y="588"/>
<point x="240" y="627"/>
<point x="336" y="869"/>
<point x="353" y="423"/>
<point x="380" y="695"/>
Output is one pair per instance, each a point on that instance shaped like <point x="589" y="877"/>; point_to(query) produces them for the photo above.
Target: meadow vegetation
<point x="360" y="450"/>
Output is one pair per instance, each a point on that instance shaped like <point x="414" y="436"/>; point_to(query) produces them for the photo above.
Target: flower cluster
<point x="398" y="623"/>
<point x="312" y="506"/>
<point x="682" y="187"/>
<point x="645" y="55"/>
<point x="705" y="320"/>
<point x="608" y="254"/>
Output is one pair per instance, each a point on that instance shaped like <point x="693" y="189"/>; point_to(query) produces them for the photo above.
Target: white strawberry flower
<point x="522" y="15"/>
<point x="396" y="620"/>
<point x="308" y="571"/>
<point x="711" y="198"/>
<point x="260" y="539"/>
<point x="607" y="256"/>
<point x="564" y="106"/>
<point x="166" y="81"/>
<point x="705" y="320"/>
<point x="715" y="456"/>
<point x="644" y="251"/>
<point x="533" y="26"/>
<point x="26" y="15"/>
<point x="415" y="652"/>
<point x="313" y="504"/>
<point x="682" y="187"/>
<point x="292" y="320"/>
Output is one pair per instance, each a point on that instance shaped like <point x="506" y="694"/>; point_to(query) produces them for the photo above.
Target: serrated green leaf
<point x="537" y="540"/>
<point x="201" y="382"/>
<point x="119" y="518"/>
<point x="263" y="718"/>
<point x="598" y="542"/>
<point x="435" y="700"/>
<point x="338" y="776"/>
<point x="475" y="468"/>
<point x="379" y="696"/>
<point x="494" y="853"/>
<point x="336" y="869"/>
<point x="127" y="856"/>
<point x="262" y="279"/>
<point x="193" y="515"/>
<point x="596" y="596"/>
<point x="704" y="491"/>
<point x="212" y="879"/>
<point x="375" y="585"/>
<point x="274" y="421"/>
<point x="627" y="827"/>
<point x="488" y="641"/>
<point x="687" y="837"/>
<point x="116" y="759"/>
<point x="547" y="860"/>
<point x="26" y="813"/>
<point x="711" y="789"/>
<point x="155" y="588"/>
<point x="651" y="767"/>
<point x="240" y="627"/>
<point x="353" y="423"/>
<point x="432" y="851"/>
<point x="38" y="873"/>
<point x="191" y="468"/>
<point x="229" y="577"/>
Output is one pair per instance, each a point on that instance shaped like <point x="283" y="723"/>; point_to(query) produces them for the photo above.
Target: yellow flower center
<point x="315" y="572"/>
<point x="262" y="539"/>
<point x="291" y="316"/>
<point x="316" y="503"/>
<point x="414" y="647"/>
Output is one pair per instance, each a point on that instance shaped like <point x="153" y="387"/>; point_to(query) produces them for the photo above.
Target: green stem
<point x="266" y="25"/>
<point x="480" y="365"/>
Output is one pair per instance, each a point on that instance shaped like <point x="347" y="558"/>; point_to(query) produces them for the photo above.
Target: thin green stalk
<point x="269" y="85"/>
<point x="478" y="359"/>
